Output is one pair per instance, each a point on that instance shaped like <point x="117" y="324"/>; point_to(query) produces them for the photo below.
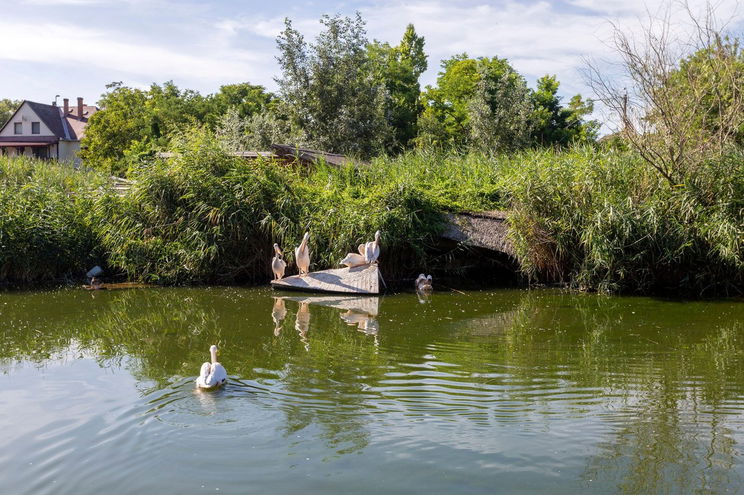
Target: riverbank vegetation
<point x="657" y="207"/>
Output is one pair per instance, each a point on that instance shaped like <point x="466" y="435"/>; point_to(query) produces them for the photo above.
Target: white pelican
<point x="423" y="283"/>
<point x="372" y="249"/>
<point x="354" y="259"/>
<point x="212" y="375"/>
<point x="302" y="255"/>
<point x="277" y="263"/>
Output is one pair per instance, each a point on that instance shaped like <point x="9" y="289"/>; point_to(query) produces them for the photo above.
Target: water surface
<point x="480" y="392"/>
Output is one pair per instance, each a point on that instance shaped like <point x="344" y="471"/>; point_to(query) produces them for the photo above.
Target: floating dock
<point x="363" y="279"/>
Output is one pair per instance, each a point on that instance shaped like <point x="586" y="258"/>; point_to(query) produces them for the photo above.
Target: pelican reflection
<point x="278" y="313"/>
<point x="302" y="323"/>
<point x="356" y="311"/>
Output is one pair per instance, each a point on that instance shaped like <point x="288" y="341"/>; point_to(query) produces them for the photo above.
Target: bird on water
<point x="212" y="375"/>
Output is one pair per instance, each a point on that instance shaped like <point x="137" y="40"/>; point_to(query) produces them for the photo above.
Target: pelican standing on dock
<point x="277" y="263"/>
<point x="302" y="255"/>
<point x="212" y="375"/>
<point x="372" y="249"/>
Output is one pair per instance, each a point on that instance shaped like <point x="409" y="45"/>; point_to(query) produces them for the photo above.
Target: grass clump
<point x="47" y="230"/>
<point x="605" y="221"/>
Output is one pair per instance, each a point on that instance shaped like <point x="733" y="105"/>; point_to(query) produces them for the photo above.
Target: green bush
<point x="606" y="221"/>
<point x="47" y="229"/>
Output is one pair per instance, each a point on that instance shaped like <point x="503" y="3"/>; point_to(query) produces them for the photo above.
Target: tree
<point x="681" y="103"/>
<point x="133" y="122"/>
<point x="248" y="100"/>
<point x="399" y="69"/>
<point x="328" y="89"/>
<point x="480" y="102"/>
<point x="7" y="107"/>
<point x="123" y="119"/>
<point x="500" y="109"/>
<point x="554" y="124"/>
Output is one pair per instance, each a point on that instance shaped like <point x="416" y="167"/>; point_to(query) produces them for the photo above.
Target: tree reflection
<point x="659" y="378"/>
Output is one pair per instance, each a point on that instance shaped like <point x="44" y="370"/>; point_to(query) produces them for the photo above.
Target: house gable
<point x="28" y="113"/>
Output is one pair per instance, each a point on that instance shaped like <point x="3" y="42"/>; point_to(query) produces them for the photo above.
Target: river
<point x="501" y="391"/>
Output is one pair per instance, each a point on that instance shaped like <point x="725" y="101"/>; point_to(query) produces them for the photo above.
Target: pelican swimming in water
<point x="277" y="263"/>
<point x="302" y="255"/>
<point x="423" y="283"/>
<point x="212" y="375"/>
<point x="372" y="249"/>
<point x="355" y="259"/>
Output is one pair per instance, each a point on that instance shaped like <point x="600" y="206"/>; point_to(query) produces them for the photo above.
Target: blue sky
<point x="75" y="47"/>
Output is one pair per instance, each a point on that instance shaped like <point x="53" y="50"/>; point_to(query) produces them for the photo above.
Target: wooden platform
<point x="358" y="280"/>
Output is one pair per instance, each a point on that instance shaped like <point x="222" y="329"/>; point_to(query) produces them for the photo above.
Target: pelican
<point x="423" y="283"/>
<point x="372" y="249"/>
<point x="354" y="259"/>
<point x="302" y="255"/>
<point x="212" y="375"/>
<point x="277" y="263"/>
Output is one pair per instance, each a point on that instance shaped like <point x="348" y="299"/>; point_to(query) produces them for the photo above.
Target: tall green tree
<point x="553" y="124"/>
<point x="247" y="99"/>
<point x="134" y="121"/>
<point x="399" y="68"/>
<point x="330" y="94"/>
<point x="480" y="102"/>
<point x="122" y="120"/>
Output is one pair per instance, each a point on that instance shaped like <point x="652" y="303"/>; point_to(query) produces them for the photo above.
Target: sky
<point x="75" y="47"/>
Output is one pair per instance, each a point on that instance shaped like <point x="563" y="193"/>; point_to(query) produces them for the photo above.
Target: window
<point x="35" y="127"/>
<point x="18" y="128"/>
<point x="41" y="152"/>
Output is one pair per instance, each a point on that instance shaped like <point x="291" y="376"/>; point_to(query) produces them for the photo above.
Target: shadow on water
<point x="660" y="382"/>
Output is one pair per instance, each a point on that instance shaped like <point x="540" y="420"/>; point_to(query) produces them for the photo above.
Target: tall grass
<point x="47" y="230"/>
<point x="204" y="216"/>
<point x="606" y="221"/>
<point x="591" y="219"/>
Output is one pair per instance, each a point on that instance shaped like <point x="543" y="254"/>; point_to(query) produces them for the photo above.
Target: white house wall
<point x="25" y="115"/>
<point x="68" y="151"/>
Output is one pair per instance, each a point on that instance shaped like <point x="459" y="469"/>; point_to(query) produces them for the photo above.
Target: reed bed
<point x="587" y="218"/>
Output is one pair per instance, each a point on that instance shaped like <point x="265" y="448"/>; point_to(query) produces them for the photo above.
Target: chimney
<point x="80" y="107"/>
<point x="66" y="106"/>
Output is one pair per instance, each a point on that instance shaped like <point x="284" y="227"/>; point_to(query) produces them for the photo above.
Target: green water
<point x="485" y="392"/>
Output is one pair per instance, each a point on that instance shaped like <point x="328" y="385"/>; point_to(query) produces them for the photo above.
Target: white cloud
<point x="81" y="48"/>
<point x="203" y="44"/>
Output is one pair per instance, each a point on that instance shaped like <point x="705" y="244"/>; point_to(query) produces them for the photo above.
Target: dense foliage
<point x="47" y="230"/>
<point x="134" y="123"/>
<point x="597" y="220"/>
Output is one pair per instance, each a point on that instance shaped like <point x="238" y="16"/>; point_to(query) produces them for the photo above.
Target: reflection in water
<point x="423" y="296"/>
<point x="608" y="395"/>
<point x="278" y="313"/>
<point x="302" y="323"/>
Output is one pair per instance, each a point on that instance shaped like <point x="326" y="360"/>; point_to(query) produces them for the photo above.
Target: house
<point x="46" y="131"/>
